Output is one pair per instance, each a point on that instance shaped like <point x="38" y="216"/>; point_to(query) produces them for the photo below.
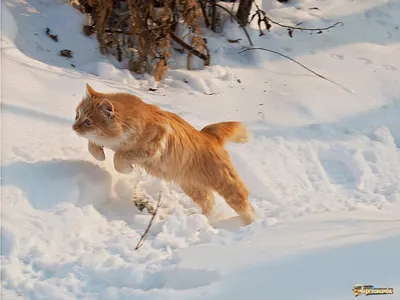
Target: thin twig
<point x="232" y="9"/>
<point x="293" y="27"/>
<point x="300" y="64"/>
<point x="120" y="22"/>
<point x="302" y="28"/>
<point x="240" y="23"/>
<point x="141" y="241"/>
<point x="203" y="10"/>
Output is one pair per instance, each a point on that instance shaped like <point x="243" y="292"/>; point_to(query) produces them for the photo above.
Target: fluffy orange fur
<point x="166" y="146"/>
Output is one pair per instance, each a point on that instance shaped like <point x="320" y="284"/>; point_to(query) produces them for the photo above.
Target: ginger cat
<point x="166" y="146"/>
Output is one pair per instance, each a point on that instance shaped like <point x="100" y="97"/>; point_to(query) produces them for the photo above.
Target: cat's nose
<point x="74" y="127"/>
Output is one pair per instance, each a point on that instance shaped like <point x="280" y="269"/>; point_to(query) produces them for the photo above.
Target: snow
<point x="323" y="167"/>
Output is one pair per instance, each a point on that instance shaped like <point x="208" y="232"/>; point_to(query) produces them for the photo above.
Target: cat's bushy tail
<point x="225" y="132"/>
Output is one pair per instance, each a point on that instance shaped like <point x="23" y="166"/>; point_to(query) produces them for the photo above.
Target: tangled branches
<point x="141" y="31"/>
<point x="191" y="15"/>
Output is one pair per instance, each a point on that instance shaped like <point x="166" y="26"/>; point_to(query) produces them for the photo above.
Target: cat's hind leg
<point x="236" y="194"/>
<point x="202" y="196"/>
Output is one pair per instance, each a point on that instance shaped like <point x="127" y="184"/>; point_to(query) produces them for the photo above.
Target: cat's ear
<point x="91" y="92"/>
<point x="107" y="108"/>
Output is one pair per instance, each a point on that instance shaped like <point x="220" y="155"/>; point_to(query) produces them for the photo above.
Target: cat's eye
<point x="87" y="122"/>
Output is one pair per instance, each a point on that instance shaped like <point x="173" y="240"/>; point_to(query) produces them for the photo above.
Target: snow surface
<point x="323" y="167"/>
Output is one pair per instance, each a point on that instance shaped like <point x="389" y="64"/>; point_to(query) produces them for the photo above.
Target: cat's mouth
<point x="81" y="134"/>
<point x="88" y="135"/>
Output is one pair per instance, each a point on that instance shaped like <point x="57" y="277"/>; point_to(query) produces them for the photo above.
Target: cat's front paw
<point x="121" y="165"/>
<point x="96" y="151"/>
<point x="124" y="169"/>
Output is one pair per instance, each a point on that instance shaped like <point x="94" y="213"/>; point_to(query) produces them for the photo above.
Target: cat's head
<point x="96" y="117"/>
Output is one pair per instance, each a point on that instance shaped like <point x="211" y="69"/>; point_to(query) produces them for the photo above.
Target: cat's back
<point x="125" y="101"/>
<point x="131" y="106"/>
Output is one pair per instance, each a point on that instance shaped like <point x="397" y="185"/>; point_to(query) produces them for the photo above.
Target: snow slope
<point x="323" y="167"/>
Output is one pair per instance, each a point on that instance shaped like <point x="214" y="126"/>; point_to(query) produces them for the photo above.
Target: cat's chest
<point x="110" y="143"/>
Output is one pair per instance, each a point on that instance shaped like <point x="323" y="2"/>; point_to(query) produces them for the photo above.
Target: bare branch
<point x="300" y="64"/>
<point x="192" y="50"/>
<point x="213" y="15"/>
<point x="141" y="241"/>
<point x="203" y="10"/>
